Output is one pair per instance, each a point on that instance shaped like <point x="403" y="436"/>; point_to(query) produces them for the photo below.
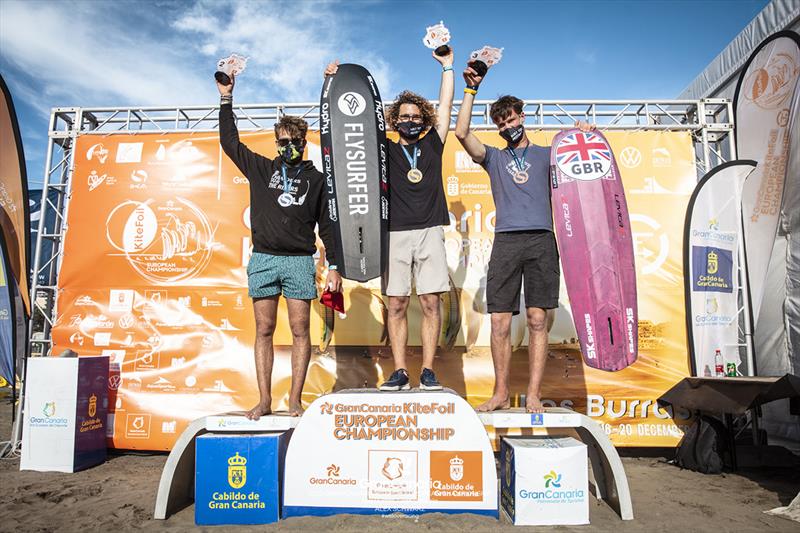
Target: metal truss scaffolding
<point x="709" y="121"/>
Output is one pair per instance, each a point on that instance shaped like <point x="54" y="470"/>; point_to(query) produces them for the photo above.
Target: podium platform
<point x="176" y="487"/>
<point x="610" y="481"/>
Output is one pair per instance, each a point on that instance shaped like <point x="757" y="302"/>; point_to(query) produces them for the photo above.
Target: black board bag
<point x="354" y="162"/>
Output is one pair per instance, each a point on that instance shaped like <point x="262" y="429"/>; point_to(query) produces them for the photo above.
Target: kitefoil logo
<point x="163" y="241"/>
<point x="769" y="85"/>
<point x="352" y="104"/>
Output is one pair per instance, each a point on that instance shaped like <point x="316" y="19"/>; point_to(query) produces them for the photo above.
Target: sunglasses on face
<point x="414" y="118"/>
<point x="285" y="142"/>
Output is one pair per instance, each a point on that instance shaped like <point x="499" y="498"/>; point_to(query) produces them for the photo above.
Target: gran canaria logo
<point x="552" y="480"/>
<point x="49" y="409"/>
<point x="237" y="471"/>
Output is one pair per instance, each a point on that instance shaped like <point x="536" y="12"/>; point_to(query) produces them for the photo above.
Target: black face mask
<point x="409" y="130"/>
<point x="513" y="134"/>
<point x="291" y="154"/>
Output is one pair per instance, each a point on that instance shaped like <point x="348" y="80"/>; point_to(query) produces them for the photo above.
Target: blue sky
<point x="98" y="53"/>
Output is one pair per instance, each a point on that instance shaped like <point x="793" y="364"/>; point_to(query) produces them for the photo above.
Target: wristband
<point x="226" y="99"/>
<point x="447" y="68"/>
<point x="333" y="267"/>
<point x="468" y="90"/>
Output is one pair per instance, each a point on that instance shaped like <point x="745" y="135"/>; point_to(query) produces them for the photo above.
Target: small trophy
<point x="481" y="60"/>
<point x="231" y="65"/>
<point x="436" y="38"/>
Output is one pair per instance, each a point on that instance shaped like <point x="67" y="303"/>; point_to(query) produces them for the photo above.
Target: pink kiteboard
<point x="596" y="248"/>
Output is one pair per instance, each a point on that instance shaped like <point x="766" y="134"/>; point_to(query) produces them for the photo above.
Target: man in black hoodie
<point x="288" y="199"/>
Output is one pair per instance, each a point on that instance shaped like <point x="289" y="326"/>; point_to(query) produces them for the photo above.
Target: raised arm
<point x="237" y="151"/>
<point x="445" y="94"/>
<point x="473" y="146"/>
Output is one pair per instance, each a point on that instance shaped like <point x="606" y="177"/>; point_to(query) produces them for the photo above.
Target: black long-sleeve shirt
<point x="279" y="230"/>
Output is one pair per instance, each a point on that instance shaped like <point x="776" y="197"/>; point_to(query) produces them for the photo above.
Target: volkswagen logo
<point x="630" y="157"/>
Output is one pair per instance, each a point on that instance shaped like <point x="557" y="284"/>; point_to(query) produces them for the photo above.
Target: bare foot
<point x="296" y="409"/>
<point x="493" y="404"/>
<point x="258" y="411"/>
<point x="533" y="404"/>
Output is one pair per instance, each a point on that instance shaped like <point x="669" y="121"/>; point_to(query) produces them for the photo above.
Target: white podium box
<point x="544" y="481"/>
<point x="553" y="418"/>
<point x="64" y="417"/>
<point x="176" y="488"/>
<point x="367" y="452"/>
<point x="237" y="422"/>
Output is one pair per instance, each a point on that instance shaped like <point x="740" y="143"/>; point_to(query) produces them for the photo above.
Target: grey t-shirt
<point x="520" y="206"/>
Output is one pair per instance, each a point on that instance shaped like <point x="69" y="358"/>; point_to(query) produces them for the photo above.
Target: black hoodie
<point x="279" y="230"/>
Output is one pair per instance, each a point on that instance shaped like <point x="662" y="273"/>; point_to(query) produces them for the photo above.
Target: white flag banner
<point x="762" y="112"/>
<point x="710" y="270"/>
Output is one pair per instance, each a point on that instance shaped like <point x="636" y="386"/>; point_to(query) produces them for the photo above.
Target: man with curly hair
<point x="288" y="197"/>
<point x="524" y="244"/>
<point x="417" y="214"/>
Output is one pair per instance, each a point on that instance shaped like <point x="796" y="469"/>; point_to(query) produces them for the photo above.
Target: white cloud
<point x="80" y="57"/>
<point x="287" y="44"/>
<point x="106" y="54"/>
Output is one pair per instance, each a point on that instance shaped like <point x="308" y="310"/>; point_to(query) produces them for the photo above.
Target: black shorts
<point x="517" y="254"/>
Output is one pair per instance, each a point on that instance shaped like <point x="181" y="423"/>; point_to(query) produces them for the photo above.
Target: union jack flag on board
<point x="582" y="146"/>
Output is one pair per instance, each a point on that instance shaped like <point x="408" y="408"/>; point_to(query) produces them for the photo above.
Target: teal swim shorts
<point x="294" y="276"/>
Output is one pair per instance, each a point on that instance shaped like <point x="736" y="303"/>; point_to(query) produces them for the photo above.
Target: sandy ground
<point x="120" y="495"/>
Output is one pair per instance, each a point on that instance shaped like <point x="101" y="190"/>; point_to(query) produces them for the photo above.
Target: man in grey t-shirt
<point x="524" y="245"/>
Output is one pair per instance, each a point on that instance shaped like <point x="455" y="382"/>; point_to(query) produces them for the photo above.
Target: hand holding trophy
<point x="436" y="38"/>
<point x="232" y="65"/>
<point x="481" y="60"/>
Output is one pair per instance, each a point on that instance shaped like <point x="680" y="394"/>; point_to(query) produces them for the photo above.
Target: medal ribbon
<point x="286" y="187"/>
<point x="412" y="162"/>
<point x="519" y="162"/>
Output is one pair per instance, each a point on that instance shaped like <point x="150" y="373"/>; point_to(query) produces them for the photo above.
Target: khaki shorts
<point x="417" y="254"/>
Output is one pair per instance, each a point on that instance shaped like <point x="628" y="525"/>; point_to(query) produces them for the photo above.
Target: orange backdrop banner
<point x="153" y="275"/>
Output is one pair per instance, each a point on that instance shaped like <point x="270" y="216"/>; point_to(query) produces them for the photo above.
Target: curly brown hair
<point x="296" y="127"/>
<point x="429" y="118"/>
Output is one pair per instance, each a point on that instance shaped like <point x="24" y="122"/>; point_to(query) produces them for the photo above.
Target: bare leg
<point x="398" y="329"/>
<point x="265" y="310"/>
<point x="430" y="328"/>
<point x="299" y="313"/>
<point x="537" y="357"/>
<point x="501" y="357"/>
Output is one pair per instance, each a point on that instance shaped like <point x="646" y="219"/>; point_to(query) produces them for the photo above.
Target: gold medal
<point x="415" y="175"/>
<point x="521" y="177"/>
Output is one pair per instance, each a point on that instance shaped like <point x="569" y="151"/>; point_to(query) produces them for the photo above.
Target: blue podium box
<point x="238" y="478"/>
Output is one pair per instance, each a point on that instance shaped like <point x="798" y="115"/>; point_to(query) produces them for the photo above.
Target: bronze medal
<point x="521" y="177"/>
